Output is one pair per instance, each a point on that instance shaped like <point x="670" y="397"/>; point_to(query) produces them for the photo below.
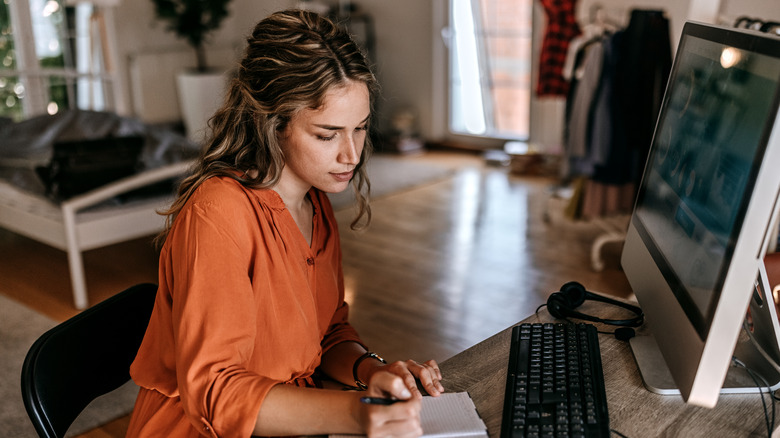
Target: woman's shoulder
<point x="218" y="191"/>
<point x="227" y="192"/>
<point x="225" y="206"/>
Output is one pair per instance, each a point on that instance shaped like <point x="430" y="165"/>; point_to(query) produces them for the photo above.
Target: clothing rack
<point x="617" y="79"/>
<point x="745" y="22"/>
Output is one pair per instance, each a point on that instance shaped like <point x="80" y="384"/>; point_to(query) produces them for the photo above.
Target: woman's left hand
<point x="427" y="373"/>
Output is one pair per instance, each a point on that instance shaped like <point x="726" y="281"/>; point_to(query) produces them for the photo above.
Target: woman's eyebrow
<point x="336" y="128"/>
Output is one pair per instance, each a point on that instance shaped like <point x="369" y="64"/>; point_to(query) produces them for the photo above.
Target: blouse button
<point x="310" y="261"/>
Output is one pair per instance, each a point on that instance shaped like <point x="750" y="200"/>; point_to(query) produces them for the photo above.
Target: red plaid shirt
<point x="561" y="28"/>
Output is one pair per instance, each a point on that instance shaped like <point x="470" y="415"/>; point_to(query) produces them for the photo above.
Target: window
<point x="53" y="55"/>
<point x="490" y="67"/>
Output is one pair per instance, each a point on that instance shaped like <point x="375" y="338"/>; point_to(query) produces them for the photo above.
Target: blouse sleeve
<point x="340" y="330"/>
<point x="214" y="319"/>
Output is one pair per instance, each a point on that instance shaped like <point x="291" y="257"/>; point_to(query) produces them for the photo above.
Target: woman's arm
<point x="293" y="410"/>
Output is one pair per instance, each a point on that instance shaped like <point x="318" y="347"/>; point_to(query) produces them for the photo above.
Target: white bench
<point x="87" y="221"/>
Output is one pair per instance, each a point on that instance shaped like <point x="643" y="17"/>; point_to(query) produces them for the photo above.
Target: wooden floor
<point x="442" y="266"/>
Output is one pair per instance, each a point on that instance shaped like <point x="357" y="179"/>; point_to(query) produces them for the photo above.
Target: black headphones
<point x="572" y="294"/>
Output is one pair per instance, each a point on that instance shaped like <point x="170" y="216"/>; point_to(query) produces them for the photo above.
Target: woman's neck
<point x="297" y="202"/>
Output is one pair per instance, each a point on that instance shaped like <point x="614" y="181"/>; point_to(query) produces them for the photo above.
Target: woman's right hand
<point x="401" y="419"/>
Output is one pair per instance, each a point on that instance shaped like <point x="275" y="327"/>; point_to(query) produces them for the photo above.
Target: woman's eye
<point x="326" y="138"/>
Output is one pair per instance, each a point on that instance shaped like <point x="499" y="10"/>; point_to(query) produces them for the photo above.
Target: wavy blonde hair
<point x="291" y="60"/>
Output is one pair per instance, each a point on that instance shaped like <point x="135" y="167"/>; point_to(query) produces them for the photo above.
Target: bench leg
<point x="77" y="280"/>
<point x="75" y="262"/>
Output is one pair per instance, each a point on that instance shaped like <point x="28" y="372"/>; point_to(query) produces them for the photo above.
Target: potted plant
<point x="200" y="89"/>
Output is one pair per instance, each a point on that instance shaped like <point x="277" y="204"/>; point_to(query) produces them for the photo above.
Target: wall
<point x="148" y="52"/>
<point x="404" y="52"/>
<point x="403" y="61"/>
<point x="410" y="53"/>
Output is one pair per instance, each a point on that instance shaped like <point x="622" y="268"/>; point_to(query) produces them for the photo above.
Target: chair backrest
<point x="83" y="358"/>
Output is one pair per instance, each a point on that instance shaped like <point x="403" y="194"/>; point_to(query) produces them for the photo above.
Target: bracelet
<point x="359" y="383"/>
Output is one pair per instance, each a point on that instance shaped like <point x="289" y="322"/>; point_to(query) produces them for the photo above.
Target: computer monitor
<point x="694" y="248"/>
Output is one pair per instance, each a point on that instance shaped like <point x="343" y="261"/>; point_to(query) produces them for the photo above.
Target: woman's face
<point x="322" y="146"/>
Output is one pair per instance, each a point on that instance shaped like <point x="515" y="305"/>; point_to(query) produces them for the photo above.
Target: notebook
<point x="451" y="414"/>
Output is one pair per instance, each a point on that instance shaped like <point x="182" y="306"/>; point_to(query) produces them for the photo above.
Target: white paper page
<point x="451" y="414"/>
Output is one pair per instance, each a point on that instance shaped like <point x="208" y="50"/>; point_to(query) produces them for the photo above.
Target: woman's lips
<point x="342" y="177"/>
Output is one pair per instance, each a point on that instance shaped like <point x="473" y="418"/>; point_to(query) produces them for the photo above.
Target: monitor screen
<point x="703" y="211"/>
<point x="714" y="127"/>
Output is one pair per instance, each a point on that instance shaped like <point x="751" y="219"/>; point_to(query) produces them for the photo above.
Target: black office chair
<point x="83" y="358"/>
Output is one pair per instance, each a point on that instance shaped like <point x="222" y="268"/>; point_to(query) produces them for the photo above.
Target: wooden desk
<point x="634" y="411"/>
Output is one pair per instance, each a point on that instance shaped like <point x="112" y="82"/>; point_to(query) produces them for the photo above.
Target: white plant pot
<point x="200" y="95"/>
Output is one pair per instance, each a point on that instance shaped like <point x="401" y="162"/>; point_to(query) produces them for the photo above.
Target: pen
<point x="378" y="400"/>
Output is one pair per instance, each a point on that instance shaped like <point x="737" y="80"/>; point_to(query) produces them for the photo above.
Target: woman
<point x="249" y="332"/>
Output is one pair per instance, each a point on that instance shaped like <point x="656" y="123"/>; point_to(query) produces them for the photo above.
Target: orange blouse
<point x="244" y="303"/>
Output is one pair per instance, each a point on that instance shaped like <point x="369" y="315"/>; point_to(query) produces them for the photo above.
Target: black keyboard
<point x="555" y="383"/>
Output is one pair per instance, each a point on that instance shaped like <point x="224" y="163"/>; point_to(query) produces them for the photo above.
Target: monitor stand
<point x="766" y="331"/>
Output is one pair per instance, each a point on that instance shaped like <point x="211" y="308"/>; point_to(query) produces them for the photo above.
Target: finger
<point x="429" y="376"/>
<point x="411" y="384"/>
<point x="432" y="363"/>
<point x="407" y="371"/>
<point x="429" y="382"/>
<point x="436" y="374"/>
<point x="383" y="384"/>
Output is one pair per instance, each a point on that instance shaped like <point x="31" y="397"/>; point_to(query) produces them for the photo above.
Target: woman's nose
<point x="350" y="151"/>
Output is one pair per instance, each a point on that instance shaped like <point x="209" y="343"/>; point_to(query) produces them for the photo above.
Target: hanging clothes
<point x="560" y="29"/>
<point x="612" y="109"/>
<point x="643" y="68"/>
<point x="585" y="83"/>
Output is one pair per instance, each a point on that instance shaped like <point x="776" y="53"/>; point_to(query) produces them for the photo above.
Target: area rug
<point x="19" y="328"/>
<point x="390" y="174"/>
